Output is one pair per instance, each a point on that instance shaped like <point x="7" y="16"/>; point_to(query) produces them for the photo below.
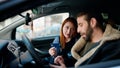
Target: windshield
<point x="43" y="26"/>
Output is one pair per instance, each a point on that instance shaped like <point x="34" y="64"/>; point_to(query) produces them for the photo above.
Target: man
<point x="98" y="43"/>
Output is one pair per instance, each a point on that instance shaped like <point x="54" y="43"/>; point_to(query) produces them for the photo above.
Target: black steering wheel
<point x="31" y="50"/>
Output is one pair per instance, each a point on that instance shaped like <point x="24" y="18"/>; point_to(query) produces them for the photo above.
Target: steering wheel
<point x="31" y="50"/>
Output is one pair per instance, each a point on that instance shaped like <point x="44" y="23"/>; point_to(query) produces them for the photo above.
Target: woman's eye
<point x="67" y="27"/>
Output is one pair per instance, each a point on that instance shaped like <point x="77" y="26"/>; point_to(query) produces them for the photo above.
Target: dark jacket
<point x="66" y="52"/>
<point x="107" y="49"/>
<point x="110" y="50"/>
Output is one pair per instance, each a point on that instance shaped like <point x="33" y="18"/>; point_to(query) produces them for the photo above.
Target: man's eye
<point x="80" y="24"/>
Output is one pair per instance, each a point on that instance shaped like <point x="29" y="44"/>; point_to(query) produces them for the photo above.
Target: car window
<point x="42" y="27"/>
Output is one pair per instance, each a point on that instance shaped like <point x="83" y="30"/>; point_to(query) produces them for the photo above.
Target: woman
<point x="62" y="45"/>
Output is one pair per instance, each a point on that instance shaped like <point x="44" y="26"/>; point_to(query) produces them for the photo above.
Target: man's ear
<point x="93" y="22"/>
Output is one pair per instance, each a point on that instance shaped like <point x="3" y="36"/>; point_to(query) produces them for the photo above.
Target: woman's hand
<point x="53" y="51"/>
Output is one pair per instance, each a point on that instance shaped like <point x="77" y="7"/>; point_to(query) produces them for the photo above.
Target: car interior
<point x="18" y="50"/>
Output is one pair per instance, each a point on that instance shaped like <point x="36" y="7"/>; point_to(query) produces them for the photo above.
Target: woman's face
<point x="68" y="30"/>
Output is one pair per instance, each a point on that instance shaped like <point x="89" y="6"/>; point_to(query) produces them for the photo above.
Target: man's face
<point x="84" y="28"/>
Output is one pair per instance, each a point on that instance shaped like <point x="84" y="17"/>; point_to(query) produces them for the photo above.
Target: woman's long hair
<point x="62" y="37"/>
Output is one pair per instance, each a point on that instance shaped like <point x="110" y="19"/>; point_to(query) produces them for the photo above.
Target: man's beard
<point x="89" y="33"/>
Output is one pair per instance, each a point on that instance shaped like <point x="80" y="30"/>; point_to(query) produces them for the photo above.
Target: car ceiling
<point x="12" y="7"/>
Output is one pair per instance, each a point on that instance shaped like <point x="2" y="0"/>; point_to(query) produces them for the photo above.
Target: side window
<point x="43" y="26"/>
